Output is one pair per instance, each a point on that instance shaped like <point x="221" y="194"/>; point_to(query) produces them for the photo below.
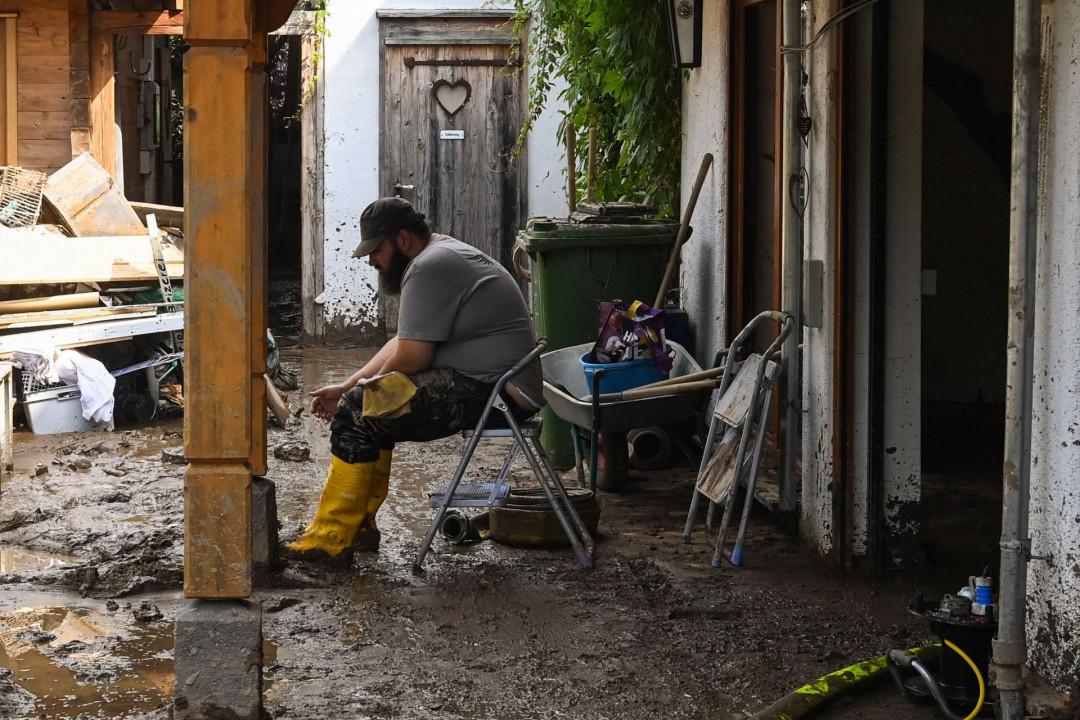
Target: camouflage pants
<point x="445" y="402"/>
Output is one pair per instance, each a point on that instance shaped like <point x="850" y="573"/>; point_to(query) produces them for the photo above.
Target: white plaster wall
<point x="1053" y="583"/>
<point x="351" y="76"/>
<point x="703" y="274"/>
<point x="902" y="430"/>
<point x="818" y="391"/>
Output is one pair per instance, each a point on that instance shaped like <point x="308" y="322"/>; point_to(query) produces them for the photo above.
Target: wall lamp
<point x="684" y="31"/>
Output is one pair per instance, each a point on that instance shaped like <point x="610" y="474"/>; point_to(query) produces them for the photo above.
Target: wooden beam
<point x="103" y="101"/>
<point x="137" y="22"/>
<point x="218" y="21"/>
<point x="217" y="529"/>
<point x="167" y="215"/>
<point x="78" y="128"/>
<point x="222" y="194"/>
<point x="258" y="174"/>
<point x="59" y="259"/>
<point x="312" y="240"/>
<point x="11" y="84"/>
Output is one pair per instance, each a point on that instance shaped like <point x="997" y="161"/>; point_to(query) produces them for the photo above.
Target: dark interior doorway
<point x="967" y="93"/>
<point x="755" y="260"/>
<point x="283" y="189"/>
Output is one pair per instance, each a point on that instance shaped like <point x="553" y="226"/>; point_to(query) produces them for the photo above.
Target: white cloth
<point x="95" y="383"/>
<point x="38" y="362"/>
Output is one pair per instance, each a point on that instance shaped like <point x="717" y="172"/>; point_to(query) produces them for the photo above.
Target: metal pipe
<point x="650" y="448"/>
<point x="751" y="482"/>
<point x="791" y="228"/>
<point x="1010" y="645"/>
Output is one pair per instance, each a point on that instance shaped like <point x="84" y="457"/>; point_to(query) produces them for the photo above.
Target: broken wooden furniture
<point x="585" y="409"/>
<point x="88" y="202"/>
<point x="526" y="437"/>
<point x="736" y="433"/>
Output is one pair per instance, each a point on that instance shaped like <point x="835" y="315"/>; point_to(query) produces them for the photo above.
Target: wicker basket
<point x="20" y="196"/>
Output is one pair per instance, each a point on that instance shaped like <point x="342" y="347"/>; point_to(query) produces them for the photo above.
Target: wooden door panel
<point x="467" y="187"/>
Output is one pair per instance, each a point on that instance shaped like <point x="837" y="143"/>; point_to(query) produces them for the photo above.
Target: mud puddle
<point x="17" y="559"/>
<point x="62" y="662"/>
<point x="94" y="662"/>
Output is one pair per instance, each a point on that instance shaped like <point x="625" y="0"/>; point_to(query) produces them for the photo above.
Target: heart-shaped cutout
<point x="452" y="96"/>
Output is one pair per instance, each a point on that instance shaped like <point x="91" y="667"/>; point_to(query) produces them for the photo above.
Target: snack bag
<point x="628" y="333"/>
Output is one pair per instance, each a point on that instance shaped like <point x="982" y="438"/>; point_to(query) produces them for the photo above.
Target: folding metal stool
<point x="526" y="438"/>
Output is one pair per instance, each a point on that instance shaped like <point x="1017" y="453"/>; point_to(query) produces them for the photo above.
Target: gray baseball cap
<point x="381" y="220"/>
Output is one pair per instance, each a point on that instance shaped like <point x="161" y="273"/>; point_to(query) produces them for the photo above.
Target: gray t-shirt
<point x="456" y="296"/>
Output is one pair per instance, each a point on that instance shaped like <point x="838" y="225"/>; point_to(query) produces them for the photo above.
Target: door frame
<point x="737" y="261"/>
<point x="486" y="34"/>
<point x="301" y="23"/>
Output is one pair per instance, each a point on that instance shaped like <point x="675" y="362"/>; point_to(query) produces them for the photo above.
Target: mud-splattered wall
<point x="351" y="176"/>
<point x="820" y="393"/>
<point x="903" y="286"/>
<point x="1054" y="577"/>
<point x="705" y="130"/>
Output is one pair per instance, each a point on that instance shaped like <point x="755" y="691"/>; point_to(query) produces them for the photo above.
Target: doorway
<point x="967" y="98"/>
<point x="756" y="242"/>
<point x="453" y="100"/>
<point x="284" y="253"/>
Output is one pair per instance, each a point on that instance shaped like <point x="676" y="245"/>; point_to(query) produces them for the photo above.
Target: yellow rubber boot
<point x="342" y="510"/>
<point x="367" y="540"/>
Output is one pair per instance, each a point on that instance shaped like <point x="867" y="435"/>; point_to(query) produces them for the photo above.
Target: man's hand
<point x="324" y="401"/>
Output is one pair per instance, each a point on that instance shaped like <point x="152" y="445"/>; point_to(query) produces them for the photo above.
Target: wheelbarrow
<point x="584" y="408"/>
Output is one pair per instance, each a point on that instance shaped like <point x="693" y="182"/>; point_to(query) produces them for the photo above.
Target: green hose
<point x="804" y="700"/>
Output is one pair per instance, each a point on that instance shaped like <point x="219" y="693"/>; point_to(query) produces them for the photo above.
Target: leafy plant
<point x="321" y="31"/>
<point x="616" y="63"/>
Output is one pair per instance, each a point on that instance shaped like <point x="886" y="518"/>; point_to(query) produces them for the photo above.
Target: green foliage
<point x="321" y="31"/>
<point x="615" y="60"/>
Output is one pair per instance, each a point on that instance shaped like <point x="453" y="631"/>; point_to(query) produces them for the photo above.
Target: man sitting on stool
<point x="462" y="323"/>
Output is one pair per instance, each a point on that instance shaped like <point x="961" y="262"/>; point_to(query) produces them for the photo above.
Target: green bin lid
<point x="545" y="234"/>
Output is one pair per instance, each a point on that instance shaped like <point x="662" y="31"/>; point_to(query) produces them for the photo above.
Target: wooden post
<point x="257" y="181"/>
<point x="79" y="64"/>
<point x="590" y="189"/>
<point x="571" y="165"/>
<point x="103" y="101"/>
<point x="224" y="168"/>
<point x="312" y="229"/>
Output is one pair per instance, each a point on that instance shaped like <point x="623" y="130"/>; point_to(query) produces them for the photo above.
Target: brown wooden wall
<point x="44" y="82"/>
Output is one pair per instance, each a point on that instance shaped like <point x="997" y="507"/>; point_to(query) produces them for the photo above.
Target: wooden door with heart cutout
<point x="452" y="107"/>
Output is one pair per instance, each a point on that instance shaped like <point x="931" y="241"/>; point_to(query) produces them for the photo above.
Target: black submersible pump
<point x="966" y="623"/>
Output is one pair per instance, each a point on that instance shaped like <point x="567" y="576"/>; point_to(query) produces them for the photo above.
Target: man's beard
<point x="392" y="276"/>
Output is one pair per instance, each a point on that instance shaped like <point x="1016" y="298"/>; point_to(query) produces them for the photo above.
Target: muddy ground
<point x="91" y="567"/>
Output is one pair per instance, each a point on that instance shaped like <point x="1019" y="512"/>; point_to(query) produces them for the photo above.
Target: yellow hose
<point x="978" y="675"/>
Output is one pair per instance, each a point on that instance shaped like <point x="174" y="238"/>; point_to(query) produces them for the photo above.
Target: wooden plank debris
<point x="57" y="259"/>
<point x="137" y="22"/>
<point x="77" y="316"/>
<point x="89" y="202"/>
<point x="56" y="302"/>
<point x="167" y="215"/>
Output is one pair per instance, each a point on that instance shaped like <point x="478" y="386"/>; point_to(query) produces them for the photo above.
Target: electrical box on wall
<point x="813" y="293"/>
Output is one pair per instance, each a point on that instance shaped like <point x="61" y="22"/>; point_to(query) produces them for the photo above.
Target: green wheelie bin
<point x="574" y="266"/>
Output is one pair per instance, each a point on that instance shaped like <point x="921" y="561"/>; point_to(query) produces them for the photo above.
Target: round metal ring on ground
<point x="528" y="521"/>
